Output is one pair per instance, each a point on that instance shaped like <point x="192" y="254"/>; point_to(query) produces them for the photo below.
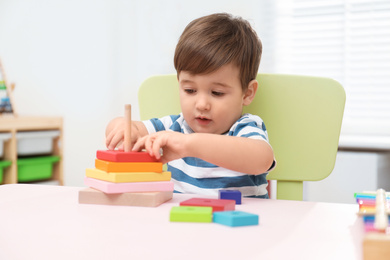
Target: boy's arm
<point x="115" y="132"/>
<point x="240" y="154"/>
<point x="251" y="156"/>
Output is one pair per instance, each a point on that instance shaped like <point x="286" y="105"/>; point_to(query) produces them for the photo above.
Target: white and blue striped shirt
<point x="193" y="175"/>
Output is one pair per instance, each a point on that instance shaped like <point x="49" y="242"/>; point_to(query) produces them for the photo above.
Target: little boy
<point x="211" y="145"/>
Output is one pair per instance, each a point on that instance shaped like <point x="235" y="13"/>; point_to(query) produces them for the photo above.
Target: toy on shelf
<point x="6" y="95"/>
<point x="374" y="209"/>
<point x="126" y="178"/>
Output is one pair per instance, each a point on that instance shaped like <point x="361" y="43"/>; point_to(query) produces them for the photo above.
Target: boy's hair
<point x="212" y="41"/>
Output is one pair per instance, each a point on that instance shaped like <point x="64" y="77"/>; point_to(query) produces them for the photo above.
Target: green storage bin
<point x="3" y="165"/>
<point x="36" y="168"/>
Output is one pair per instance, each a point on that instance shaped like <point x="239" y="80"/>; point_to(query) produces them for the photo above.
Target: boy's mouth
<point x="202" y="120"/>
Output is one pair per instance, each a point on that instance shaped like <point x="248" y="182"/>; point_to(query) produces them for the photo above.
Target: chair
<point x="303" y="116"/>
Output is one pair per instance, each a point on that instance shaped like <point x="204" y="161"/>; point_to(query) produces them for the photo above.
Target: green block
<point x="2" y="84"/>
<point x="36" y="168"/>
<point x="191" y="214"/>
<point x="3" y="165"/>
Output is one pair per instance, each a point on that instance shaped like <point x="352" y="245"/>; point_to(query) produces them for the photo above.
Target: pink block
<point x="110" y="187"/>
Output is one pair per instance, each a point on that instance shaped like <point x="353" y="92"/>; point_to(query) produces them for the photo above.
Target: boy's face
<point x="211" y="103"/>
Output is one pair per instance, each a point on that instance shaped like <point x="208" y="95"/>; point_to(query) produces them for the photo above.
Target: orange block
<point x="128" y="166"/>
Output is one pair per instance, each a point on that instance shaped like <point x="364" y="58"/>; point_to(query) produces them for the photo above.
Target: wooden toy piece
<point x="128" y="166"/>
<point x="127" y="176"/>
<point x="109" y="187"/>
<point x="191" y="214"/>
<point x="144" y="199"/>
<point x="230" y="195"/>
<point x="381" y="218"/>
<point x="235" y="218"/>
<point x="122" y="156"/>
<point x="127" y="134"/>
<point x="376" y="246"/>
<point x="217" y="205"/>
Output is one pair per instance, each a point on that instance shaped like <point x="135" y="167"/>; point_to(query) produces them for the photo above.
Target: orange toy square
<point x="128" y="166"/>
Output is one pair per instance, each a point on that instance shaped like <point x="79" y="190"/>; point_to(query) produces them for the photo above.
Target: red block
<point x="216" y="204"/>
<point x="122" y="156"/>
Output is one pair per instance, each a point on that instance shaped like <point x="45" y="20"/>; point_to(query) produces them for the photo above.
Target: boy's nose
<point x="202" y="103"/>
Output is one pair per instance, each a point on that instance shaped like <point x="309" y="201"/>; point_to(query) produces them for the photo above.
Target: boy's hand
<point x="115" y="132"/>
<point x="172" y="144"/>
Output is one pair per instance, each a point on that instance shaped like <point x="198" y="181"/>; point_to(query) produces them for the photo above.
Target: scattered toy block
<point x="144" y="199"/>
<point x="216" y="204"/>
<point x="110" y="187"/>
<point x="127" y="176"/>
<point x="376" y="246"/>
<point x="230" y="195"/>
<point x="235" y="218"/>
<point x="191" y="214"/>
<point x="122" y="156"/>
<point x="108" y="166"/>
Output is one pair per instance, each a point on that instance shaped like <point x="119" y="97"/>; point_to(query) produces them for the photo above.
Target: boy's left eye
<point x="217" y="93"/>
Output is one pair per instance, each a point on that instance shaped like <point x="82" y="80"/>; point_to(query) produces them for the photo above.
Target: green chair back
<point x="303" y="116"/>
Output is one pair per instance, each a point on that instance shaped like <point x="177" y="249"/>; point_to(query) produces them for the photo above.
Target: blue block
<point x="230" y="195"/>
<point x="235" y="218"/>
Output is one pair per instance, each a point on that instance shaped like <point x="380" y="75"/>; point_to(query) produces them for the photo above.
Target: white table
<point x="47" y="222"/>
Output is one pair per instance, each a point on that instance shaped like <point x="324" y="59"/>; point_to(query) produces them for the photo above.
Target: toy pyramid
<point x="126" y="178"/>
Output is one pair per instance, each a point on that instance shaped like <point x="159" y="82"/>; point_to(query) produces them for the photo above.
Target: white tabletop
<point x="47" y="222"/>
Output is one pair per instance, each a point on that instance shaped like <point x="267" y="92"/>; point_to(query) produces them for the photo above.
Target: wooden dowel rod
<point x="127" y="134"/>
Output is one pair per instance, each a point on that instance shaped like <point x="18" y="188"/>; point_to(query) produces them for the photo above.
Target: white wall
<point x="84" y="59"/>
<point x="354" y="172"/>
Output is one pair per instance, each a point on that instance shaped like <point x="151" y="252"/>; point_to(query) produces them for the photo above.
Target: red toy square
<point x="216" y="204"/>
<point x="122" y="156"/>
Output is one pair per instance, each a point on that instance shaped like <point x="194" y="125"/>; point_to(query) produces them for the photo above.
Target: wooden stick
<point x="127" y="134"/>
<point x="381" y="217"/>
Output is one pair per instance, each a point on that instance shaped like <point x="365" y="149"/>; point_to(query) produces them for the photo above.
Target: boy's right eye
<point x="189" y="91"/>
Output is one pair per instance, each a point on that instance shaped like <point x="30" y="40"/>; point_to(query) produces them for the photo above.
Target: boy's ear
<point x="250" y="92"/>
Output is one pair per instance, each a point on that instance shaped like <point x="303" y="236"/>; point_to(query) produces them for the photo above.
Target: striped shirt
<point x="196" y="176"/>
